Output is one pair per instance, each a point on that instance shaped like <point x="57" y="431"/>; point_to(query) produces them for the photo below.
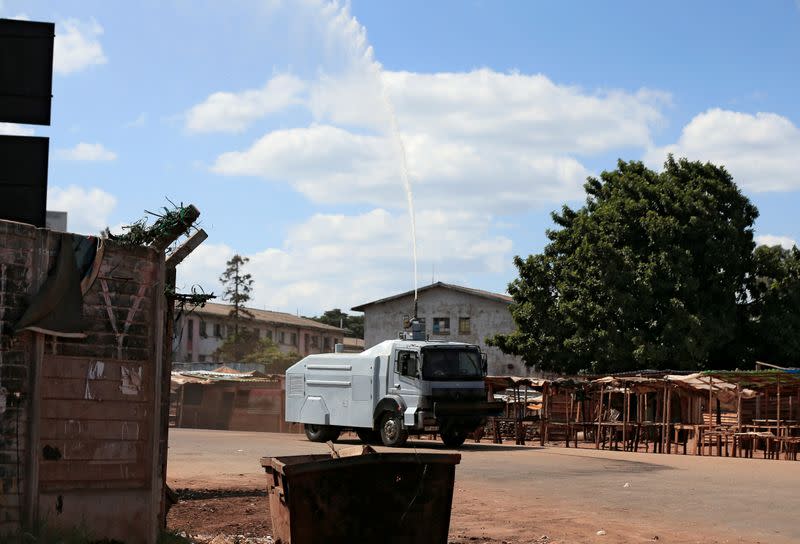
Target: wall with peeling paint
<point x="88" y="409"/>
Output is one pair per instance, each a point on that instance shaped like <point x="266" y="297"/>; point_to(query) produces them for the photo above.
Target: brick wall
<point x="47" y="404"/>
<point x="17" y="251"/>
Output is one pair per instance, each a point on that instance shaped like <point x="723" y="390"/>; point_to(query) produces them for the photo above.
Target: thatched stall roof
<point x="635" y="384"/>
<point x="510" y="382"/>
<point x="758" y="379"/>
<point x="702" y="383"/>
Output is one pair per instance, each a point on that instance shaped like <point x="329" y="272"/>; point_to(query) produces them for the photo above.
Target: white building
<point x="199" y="333"/>
<point x="450" y="313"/>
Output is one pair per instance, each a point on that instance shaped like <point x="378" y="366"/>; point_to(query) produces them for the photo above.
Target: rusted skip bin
<point x="381" y="498"/>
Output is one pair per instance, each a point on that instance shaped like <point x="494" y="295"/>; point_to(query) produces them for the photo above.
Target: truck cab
<point x="397" y="388"/>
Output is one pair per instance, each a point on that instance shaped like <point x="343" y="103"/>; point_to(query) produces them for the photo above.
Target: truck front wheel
<point x="393" y="433"/>
<point x="453" y="438"/>
<point x="321" y="433"/>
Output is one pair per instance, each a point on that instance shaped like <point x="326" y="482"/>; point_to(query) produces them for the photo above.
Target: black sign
<point x="23" y="179"/>
<point x="26" y="71"/>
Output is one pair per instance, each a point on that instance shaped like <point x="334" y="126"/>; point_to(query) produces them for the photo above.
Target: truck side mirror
<point x="484" y="364"/>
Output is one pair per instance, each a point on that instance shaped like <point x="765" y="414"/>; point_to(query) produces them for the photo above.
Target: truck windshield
<point x="451" y="364"/>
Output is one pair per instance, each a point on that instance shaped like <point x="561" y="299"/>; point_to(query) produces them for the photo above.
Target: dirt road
<point x="524" y="494"/>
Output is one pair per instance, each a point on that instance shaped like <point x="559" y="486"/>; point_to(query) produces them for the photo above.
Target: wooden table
<point x="723" y="436"/>
<point x="747" y="443"/>
<point x="692" y="433"/>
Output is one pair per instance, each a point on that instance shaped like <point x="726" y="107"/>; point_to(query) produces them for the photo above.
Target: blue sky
<point x="270" y="117"/>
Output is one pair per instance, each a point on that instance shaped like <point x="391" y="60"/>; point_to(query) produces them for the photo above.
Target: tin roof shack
<point x="229" y="400"/>
<point x="81" y="371"/>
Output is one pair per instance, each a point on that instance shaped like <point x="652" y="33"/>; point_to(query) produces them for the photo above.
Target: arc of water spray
<point x="406" y="180"/>
<point x="350" y="27"/>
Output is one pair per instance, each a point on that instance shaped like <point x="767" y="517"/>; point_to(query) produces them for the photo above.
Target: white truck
<point x="396" y="388"/>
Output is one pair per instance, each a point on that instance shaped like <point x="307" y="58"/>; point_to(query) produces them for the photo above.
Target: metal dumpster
<point x="383" y="498"/>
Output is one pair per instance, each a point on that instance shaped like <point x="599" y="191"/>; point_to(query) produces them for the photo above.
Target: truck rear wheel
<point x="368" y="436"/>
<point x="321" y="433"/>
<point x="453" y="438"/>
<point x="393" y="433"/>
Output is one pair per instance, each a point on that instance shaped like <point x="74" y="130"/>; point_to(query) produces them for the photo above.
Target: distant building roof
<point x="210" y="376"/>
<point x="267" y="316"/>
<point x="468" y="290"/>
<point x="226" y="370"/>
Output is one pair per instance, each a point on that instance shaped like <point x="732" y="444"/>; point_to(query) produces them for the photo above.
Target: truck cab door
<point x="404" y="381"/>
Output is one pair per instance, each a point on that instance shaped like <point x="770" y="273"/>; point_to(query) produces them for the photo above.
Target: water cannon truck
<point x="395" y="389"/>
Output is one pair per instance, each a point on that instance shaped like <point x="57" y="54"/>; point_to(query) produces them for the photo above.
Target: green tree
<point x="270" y="355"/>
<point x="652" y="272"/>
<point x="775" y="333"/>
<point x="353" y="324"/>
<point x="237" y="286"/>
<point x="247" y="347"/>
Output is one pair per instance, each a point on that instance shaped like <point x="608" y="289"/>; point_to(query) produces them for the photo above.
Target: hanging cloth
<point x="57" y="308"/>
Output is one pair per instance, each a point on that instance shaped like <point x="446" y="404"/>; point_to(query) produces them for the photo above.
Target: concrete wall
<point x="88" y="447"/>
<point x="487" y="318"/>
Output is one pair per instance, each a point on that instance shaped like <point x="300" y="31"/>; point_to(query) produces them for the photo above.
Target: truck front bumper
<point x="470" y="409"/>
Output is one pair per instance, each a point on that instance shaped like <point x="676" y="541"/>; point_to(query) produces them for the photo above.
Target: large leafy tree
<point x="237" y="286"/>
<point x="652" y="272"/>
<point x="775" y="332"/>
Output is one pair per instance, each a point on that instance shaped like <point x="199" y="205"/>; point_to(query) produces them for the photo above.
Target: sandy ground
<point x="519" y="494"/>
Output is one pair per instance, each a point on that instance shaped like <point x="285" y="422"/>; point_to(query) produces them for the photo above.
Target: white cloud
<point x="87" y="152"/>
<point x="467" y="136"/>
<point x="487" y="107"/>
<point x="330" y="164"/>
<point x="13" y="129"/>
<point x="87" y="210"/>
<point x="480" y="144"/>
<point x="338" y="260"/>
<point x="480" y="140"/>
<point x="77" y="46"/>
<point x="234" y="112"/>
<point x="772" y="240"/>
<point x="760" y="150"/>
<point x="139" y="122"/>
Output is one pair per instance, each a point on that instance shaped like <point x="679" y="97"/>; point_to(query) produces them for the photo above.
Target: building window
<point x="268" y="334"/>
<point x="201" y="358"/>
<point x="257" y="332"/>
<point x="281" y="337"/>
<point x="463" y="325"/>
<point x="217" y="330"/>
<point x="293" y="338"/>
<point x="441" y="325"/>
<point x="190" y="332"/>
<point x="314" y="341"/>
<point x="203" y="331"/>
<point x="327" y="343"/>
